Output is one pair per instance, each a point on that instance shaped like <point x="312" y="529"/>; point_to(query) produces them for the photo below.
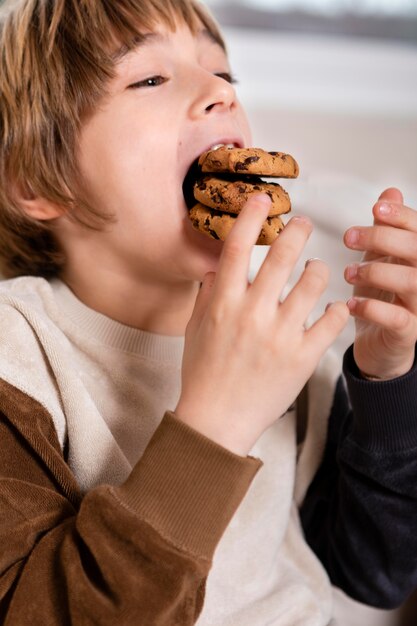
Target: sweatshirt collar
<point x="113" y="334"/>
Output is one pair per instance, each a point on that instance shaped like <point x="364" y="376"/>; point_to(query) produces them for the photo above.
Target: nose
<point x="214" y="94"/>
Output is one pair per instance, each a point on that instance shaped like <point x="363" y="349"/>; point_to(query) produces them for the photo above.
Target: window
<point x="388" y="19"/>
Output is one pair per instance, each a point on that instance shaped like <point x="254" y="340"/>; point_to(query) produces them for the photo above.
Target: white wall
<point x="346" y="109"/>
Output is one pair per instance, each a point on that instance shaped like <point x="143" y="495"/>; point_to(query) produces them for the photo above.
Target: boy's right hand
<point x="247" y="354"/>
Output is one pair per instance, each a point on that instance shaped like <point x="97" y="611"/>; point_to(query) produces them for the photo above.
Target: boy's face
<point x="169" y="102"/>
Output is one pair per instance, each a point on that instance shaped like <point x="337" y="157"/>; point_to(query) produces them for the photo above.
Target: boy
<point x="108" y="514"/>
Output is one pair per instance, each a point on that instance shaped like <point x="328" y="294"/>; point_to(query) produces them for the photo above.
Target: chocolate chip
<point x="241" y="189"/>
<point x="273" y="153"/>
<point x="213" y="234"/>
<point x="240" y="167"/>
<point x="252" y="159"/>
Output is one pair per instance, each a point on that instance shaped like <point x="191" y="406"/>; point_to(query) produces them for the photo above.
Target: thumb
<point x="203" y="298"/>
<point x="392" y="194"/>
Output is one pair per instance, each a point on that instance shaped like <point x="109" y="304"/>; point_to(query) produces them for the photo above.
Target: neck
<point x="155" y="307"/>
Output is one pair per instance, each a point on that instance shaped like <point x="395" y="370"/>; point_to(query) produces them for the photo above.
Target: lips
<point x="194" y="171"/>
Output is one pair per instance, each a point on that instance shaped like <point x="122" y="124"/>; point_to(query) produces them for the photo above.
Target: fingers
<point x="233" y="270"/>
<point x="280" y="260"/>
<point x="202" y="299"/>
<point x="396" y="319"/>
<point x="327" y="328"/>
<point x="397" y="215"/>
<point x="389" y="210"/>
<point x="398" y="279"/>
<point x="385" y="240"/>
<point x="304" y="296"/>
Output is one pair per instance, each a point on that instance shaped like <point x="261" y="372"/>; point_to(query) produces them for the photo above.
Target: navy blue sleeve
<point x="360" y="512"/>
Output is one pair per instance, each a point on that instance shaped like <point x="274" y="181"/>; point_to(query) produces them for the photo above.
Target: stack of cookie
<point x="234" y="174"/>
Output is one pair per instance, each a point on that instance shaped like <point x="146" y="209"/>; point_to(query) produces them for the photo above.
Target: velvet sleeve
<point x="138" y="553"/>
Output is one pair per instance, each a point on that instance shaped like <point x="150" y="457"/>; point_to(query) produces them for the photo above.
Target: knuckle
<point x="411" y="279"/>
<point x="250" y="322"/>
<point x="366" y="307"/>
<point x="366" y="271"/>
<point x="377" y="238"/>
<point x="217" y="315"/>
<point x="233" y="249"/>
<point x="373" y="273"/>
<point x="283" y="253"/>
<point x="401" y="320"/>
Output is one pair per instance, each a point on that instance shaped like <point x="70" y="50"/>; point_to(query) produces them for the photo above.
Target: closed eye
<point x="228" y="77"/>
<point x="152" y="81"/>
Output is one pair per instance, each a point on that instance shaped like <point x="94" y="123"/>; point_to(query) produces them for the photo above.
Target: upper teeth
<point x="222" y="145"/>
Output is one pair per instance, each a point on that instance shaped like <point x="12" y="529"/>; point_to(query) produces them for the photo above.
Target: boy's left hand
<point x="384" y="303"/>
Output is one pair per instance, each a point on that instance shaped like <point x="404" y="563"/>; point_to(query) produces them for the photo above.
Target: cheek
<point x="119" y="162"/>
<point x="244" y="125"/>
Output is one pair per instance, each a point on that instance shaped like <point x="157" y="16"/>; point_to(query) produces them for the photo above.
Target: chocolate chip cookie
<point x="222" y="197"/>
<point x="218" y="225"/>
<point x="230" y="195"/>
<point x="249" y="161"/>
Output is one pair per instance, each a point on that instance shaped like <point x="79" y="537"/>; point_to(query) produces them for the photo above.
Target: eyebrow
<point x="140" y="41"/>
<point x="204" y="33"/>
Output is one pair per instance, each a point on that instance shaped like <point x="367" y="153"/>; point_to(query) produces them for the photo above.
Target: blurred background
<point x="334" y="83"/>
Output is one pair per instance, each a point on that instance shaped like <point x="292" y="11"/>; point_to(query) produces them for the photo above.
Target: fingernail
<point x="384" y="209"/>
<point x="352" y="237"/>
<point x="262" y="198"/>
<point x="301" y="218"/>
<point x="351" y="303"/>
<point x="352" y="271"/>
<point x="314" y="258"/>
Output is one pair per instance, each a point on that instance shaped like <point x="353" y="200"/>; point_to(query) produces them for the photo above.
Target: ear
<point x="41" y="209"/>
<point x="34" y="206"/>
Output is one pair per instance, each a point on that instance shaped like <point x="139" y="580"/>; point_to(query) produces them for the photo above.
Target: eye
<point x="152" y="81"/>
<point x="227" y="76"/>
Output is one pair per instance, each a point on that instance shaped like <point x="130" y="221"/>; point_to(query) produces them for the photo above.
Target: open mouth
<point x="193" y="174"/>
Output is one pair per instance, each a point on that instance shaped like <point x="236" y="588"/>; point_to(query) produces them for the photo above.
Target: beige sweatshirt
<point x="102" y="390"/>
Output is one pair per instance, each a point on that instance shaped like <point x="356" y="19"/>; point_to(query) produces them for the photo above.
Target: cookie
<point x="229" y="196"/>
<point x="218" y="225"/>
<point x="254" y="161"/>
<point x="231" y="177"/>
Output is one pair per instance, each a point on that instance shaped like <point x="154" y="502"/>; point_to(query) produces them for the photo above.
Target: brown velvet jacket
<point x="133" y="555"/>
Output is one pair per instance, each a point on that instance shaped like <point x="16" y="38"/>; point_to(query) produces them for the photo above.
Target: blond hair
<point x="57" y="57"/>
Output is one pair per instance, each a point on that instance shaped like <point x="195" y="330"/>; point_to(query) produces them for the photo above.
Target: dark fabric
<point x="112" y="556"/>
<point x="360" y="512"/>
